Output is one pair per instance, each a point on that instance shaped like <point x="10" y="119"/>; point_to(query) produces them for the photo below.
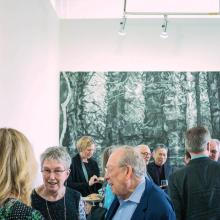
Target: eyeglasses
<point x="146" y="154"/>
<point x="214" y="151"/>
<point x="47" y="172"/>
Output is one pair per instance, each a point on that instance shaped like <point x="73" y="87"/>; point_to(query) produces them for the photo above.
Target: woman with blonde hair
<point x="84" y="175"/>
<point x="18" y="168"/>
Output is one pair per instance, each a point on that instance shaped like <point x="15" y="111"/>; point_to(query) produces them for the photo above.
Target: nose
<point x="51" y="175"/>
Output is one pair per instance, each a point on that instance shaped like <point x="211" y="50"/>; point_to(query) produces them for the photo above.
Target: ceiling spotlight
<point x="122" y="26"/>
<point x="164" y="33"/>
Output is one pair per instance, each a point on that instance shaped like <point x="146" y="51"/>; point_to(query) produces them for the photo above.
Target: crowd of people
<point x="137" y="183"/>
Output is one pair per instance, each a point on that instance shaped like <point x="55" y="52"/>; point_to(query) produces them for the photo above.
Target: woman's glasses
<point x="57" y="172"/>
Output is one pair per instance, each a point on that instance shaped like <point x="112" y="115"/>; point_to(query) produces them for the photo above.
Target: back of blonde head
<point x="17" y="166"/>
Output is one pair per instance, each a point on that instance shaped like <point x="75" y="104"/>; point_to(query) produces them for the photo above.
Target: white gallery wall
<point x="29" y="90"/>
<point x="193" y="44"/>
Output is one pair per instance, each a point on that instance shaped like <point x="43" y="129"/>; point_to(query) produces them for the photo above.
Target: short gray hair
<point x="197" y="139"/>
<point x="59" y="154"/>
<point x="133" y="158"/>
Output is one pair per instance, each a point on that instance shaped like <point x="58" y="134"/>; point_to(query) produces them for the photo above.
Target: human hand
<point x="93" y="180"/>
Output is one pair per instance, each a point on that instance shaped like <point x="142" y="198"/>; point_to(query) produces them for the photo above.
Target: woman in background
<point x="108" y="195"/>
<point x="53" y="199"/>
<point x="84" y="175"/>
<point x="17" y="171"/>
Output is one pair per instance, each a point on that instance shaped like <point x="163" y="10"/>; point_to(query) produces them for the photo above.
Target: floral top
<point x="14" y="209"/>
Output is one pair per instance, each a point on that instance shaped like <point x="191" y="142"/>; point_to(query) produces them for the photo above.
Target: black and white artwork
<point x="130" y="108"/>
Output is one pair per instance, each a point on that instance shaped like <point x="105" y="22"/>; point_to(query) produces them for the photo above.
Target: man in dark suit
<point x="137" y="197"/>
<point x="159" y="170"/>
<point x="195" y="189"/>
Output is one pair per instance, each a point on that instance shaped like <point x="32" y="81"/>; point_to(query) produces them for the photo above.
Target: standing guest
<point x="18" y="168"/>
<point x="145" y="152"/>
<point x="53" y="199"/>
<point x="160" y="170"/>
<point x="195" y="189"/>
<point x="137" y="196"/>
<point x="108" y="195"/>
<point x="84" y="175"/>
<point x="214" y="149"/>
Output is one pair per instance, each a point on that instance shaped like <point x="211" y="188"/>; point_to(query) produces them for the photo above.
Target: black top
<point x="56" y="208"/>
<point x="156" y="175"/>
<point x="77" y="179"/>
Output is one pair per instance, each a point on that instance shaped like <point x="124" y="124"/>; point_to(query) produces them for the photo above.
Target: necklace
<point x="64" y="203"/>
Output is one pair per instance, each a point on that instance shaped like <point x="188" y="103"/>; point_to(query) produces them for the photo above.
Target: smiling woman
<point x="53" y="199"/>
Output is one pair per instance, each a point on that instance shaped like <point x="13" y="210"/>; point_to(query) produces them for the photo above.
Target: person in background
<point x="214" y="149"/>
<point x="18" y="169"/>
<point x="160" y="170"/>
<point x="53" y="199"/>
<point x="137" y="196"/>
<point x="108" y="195"/>
<point x="145" y="152"/>
<point x="187" y="158"/>
<point x="84" y="175"/>
<point x="194" y="189"/>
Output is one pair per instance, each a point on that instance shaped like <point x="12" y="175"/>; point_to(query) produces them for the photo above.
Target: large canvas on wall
<point x="138" y="107"/>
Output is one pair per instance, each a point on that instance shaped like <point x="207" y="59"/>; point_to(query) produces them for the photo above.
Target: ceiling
<point x="101" y="9"/>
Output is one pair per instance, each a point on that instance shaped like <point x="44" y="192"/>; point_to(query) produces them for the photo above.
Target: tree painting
<point x="130" y="108"/>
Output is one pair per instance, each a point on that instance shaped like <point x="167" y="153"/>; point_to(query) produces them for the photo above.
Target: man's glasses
<point x="47" y="172"/>
<point x="145" y="154"/>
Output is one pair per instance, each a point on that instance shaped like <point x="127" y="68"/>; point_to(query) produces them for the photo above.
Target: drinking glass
<point x="164" y="183"/>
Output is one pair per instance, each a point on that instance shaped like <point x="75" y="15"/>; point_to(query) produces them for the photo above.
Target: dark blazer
<point x="77" y="180"/>
<point x="154" y="205"/>
<point x="152" y="170"/>
<point x="195" y="190"/>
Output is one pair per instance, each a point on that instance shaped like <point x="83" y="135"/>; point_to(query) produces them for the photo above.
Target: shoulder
<point x="92" y="161"/>
<point x="155" y="196"/>
<point x="151" y="166"/>
<point x="76" y="160"/>
<point x="72" y="191"/>
<point x="18" y="210"/>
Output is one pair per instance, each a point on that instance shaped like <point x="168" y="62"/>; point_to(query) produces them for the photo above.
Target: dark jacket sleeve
<point x="175" y="196"/>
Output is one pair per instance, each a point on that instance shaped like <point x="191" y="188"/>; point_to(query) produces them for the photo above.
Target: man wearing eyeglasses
<point x="145" y="152"/>
<point x="137" y="197"/>
<point x="214" y="149"/>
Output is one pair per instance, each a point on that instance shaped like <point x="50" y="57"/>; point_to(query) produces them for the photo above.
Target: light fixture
<point x="122" y="31"/>
<point x="164" y="33"/>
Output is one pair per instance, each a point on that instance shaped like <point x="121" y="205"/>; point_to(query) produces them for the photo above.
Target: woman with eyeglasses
<point x="84" y="175"/>
<point x="53" y="199"/>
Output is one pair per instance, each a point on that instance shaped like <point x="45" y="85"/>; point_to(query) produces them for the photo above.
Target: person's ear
<point x="68" y="172"/>
<point x="129" y="171"/>
<point x="208" y="147"/>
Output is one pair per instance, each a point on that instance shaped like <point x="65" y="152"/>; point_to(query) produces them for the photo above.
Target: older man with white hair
<point x="137" y="197"/>
<point x="214" y="149"/>
<point x="145" y="152"/>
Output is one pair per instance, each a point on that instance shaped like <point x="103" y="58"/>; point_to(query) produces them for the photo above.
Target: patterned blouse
<point x="14" y="209"/>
